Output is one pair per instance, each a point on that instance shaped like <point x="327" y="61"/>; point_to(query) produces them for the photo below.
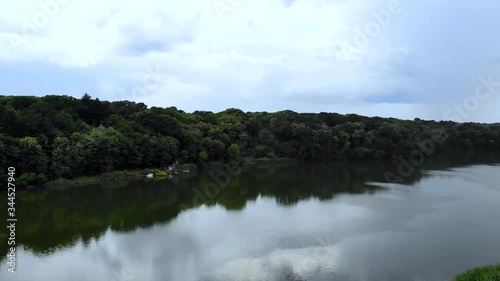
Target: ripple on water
<point x="284" y="264"/>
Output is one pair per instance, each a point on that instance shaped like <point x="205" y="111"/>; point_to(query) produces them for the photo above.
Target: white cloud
<point x="264" y="52"/>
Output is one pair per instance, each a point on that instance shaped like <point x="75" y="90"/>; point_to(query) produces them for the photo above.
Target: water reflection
<point x="296" y="222"/>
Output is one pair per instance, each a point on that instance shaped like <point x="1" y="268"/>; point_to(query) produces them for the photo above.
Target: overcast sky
<point x="402" y="59"/>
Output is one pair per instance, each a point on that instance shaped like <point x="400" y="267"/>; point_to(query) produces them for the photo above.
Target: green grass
<point x="487" y="273"/>
<point x="157" y="172"/>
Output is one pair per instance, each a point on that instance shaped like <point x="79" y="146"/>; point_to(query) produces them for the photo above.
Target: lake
<point x="301" y="221"/>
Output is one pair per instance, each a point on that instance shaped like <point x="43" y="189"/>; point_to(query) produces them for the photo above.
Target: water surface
<point x="305" y="221"/>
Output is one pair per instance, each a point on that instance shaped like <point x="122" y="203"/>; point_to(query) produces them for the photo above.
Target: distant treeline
<point x="51" y="137"/>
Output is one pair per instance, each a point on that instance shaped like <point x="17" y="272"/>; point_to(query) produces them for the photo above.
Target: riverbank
<point x="487" y="273"/>
<point x="108" y="177"/>
<point x="185" y="169"/>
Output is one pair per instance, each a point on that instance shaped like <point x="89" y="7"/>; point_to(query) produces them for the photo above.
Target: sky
<point x="431" y="59"/>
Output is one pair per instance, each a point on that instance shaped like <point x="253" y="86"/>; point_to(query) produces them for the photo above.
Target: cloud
<point x="257" y="55"/>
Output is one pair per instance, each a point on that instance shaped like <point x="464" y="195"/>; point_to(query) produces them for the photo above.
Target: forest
<point x="51" y="137"/>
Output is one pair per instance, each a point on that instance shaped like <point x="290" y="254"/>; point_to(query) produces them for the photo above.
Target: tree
<point x="215" y="148"/>
<point x="68" y="156"/>
<point x="30" y="155"/>
<point x="54" y="136"/>
<point x="233" y="152"/>
<point x="167" y="151"/>
<point x="105" y="153"/>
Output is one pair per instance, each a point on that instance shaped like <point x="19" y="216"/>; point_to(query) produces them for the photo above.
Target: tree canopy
<point x="60" y="136"/>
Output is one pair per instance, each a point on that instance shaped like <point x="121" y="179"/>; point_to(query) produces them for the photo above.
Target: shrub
<point x="31" y="179"/>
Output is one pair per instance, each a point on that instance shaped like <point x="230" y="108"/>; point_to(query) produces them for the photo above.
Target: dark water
<point x="306" y="221"/>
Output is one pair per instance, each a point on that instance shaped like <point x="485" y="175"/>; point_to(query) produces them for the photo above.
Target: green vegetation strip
<point x="108" y="177"/>
<point x="487" y="273"/>
<point x="60" y="137"/>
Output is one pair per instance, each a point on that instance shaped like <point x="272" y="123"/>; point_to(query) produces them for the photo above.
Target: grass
<point x="156" y="172"/>
<point x="487" y="273"/>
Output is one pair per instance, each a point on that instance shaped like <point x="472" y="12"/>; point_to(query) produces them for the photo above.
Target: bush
<point x="31" y="179"/>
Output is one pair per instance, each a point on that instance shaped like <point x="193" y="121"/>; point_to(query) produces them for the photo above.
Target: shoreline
<point x="113" y="176"/>
<point x="120" y="175"/>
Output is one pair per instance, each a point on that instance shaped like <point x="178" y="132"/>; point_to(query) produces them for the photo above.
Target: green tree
<point x="167" y="151"/>
<point x="233" y="152"/>
<point x="105" y="152"/>
<point x="68" y="156"/>
<point x="30" y="155"/>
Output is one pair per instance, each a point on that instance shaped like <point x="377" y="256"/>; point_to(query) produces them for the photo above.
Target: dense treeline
<point x="59" y="136"/>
